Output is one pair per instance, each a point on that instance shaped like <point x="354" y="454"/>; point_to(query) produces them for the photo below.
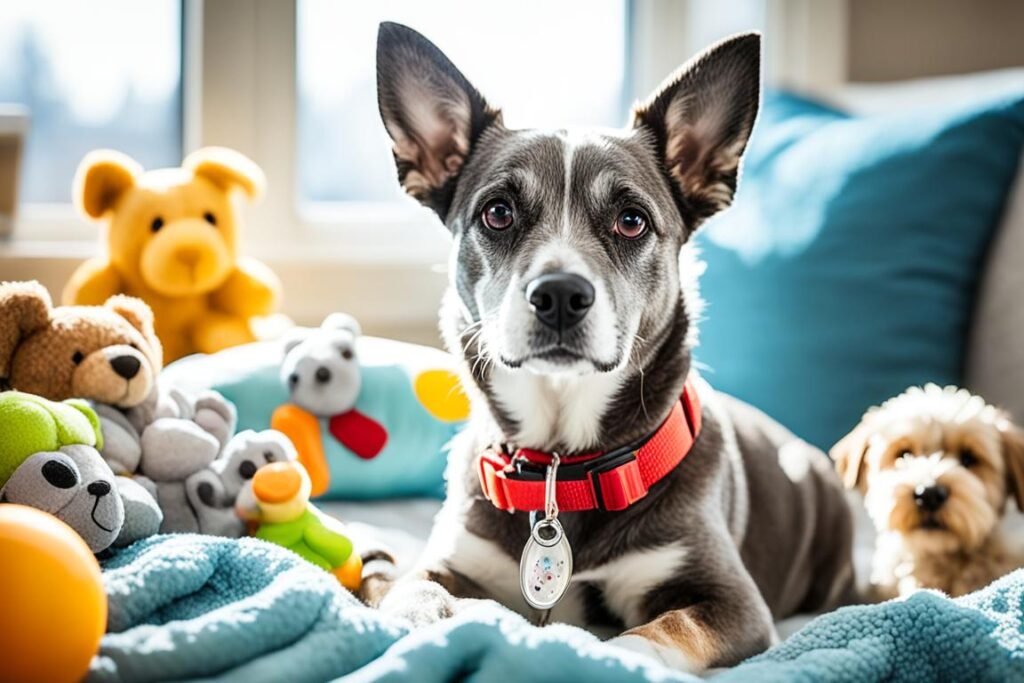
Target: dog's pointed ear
<point x="432" y="113"/>
<point x="848" y="455"/>
<point x="24" y="309"/>
<point x="1013" y="453"/>
<point x="701" y="119"/>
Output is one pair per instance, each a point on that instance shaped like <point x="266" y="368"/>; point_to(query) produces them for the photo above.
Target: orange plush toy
<point x="172" y="241"/>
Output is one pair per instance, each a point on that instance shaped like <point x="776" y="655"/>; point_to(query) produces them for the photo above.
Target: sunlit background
<point x="88" y="82"/>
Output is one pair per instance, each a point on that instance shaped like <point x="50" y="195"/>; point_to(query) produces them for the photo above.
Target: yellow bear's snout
<point x="188" y="256"/>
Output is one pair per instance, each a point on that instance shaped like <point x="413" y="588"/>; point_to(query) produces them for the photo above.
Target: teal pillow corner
<point x="847" y="267"/>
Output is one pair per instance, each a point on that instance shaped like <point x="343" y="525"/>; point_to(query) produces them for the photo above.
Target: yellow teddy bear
<point x="172" y="241"/>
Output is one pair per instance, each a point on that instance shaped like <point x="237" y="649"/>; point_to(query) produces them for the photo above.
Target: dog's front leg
<point x="719" y="617"/>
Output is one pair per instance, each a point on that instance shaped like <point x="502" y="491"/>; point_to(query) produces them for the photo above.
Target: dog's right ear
<point x="1013" y="453"/>
<point x="848" y="455"/>
<point x="432" y="113"/>
<point x="24" y="309"/>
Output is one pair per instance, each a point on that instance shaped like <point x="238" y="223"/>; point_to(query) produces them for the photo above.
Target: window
<point x="519" y="55"/>
<point x="91" y="74"/>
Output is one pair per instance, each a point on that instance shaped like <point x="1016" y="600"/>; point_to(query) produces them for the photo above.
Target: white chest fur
<point x="553" y="409"/>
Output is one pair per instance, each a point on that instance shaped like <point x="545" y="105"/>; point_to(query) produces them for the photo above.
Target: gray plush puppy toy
<point x="214" y="491"/>
<point x="76" y="486"/>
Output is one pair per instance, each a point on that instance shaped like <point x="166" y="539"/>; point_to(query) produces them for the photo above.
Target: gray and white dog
<point x="572" y="304"/>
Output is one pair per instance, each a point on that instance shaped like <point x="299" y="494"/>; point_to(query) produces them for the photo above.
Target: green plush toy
<point x="32" y="424"/>
<point x="49" y="460"/>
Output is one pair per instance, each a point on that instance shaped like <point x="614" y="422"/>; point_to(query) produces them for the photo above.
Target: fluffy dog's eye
<point x="77" y="357"/>
<point x="497" y="215"/>
<point x="631" y="223"/>
<point x="268" y="456"/>
<point x="346" y="354"/>
<point x="968" y="459"/>
<point x="156" y="224"/>
<point x="210" y="218"/>
<point x="904" y="453"/>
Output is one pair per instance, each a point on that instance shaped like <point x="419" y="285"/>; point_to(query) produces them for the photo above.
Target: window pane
<point x="102" y="73"/>
<point x="519" y="55"/>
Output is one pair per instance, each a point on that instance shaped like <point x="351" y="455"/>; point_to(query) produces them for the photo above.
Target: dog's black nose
<point x="126" y="366"/>
<point x="98" y="488"/>
<point x="930" y="498"/>
<point x="560" y="300"/>
<point x="323" y="375"/>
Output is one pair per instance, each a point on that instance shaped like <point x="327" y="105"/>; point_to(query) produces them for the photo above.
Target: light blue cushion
<point x="414" y="456"/>
<point x="847" y="267"/>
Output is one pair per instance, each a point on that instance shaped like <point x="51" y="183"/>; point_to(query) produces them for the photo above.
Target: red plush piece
<point x="362" y="435"/>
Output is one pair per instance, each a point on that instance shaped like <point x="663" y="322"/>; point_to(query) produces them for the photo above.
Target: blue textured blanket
<point x="187" y="607"/>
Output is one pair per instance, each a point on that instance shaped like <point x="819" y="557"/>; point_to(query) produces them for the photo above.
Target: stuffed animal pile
<point x="170" y="462"/>
<point x="172" y="240"/>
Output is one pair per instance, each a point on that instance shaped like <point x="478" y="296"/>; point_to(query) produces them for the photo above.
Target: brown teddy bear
<point x="107" y="353"/>
<point x="172" y="241"/>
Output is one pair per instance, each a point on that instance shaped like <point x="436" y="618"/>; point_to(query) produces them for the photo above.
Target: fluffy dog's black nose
<point x="98" y="488"/>
<point x="930" y="498"/>
<point x="126" y="366"/>
<point x="323" y="375"/>
<point x="560" y="300"/>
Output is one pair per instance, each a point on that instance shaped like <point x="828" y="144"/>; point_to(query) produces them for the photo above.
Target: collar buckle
<point x="616" y="480"/>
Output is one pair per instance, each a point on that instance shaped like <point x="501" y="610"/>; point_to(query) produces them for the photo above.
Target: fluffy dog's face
<point x="567" y="244"/>
<point x="935" y="465"/>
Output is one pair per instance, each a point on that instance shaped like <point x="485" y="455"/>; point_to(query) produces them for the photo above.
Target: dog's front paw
<point x="671" y="657"/>
<point x="422" y="602"/>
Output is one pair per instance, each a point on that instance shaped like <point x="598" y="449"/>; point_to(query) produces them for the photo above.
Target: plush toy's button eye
<point x="156" y="224"/>
<point x="247" y="470"/>
<point x="59" y="474"/>
<point x="77" y="357"/>
<point x="210" y="218"/>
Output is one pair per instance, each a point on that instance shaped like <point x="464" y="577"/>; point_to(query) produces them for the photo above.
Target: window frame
<point x="239" y="89"/>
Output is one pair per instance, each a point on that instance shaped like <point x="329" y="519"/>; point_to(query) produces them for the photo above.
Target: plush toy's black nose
<point x="126" y="366"/>
<point x="560" y="300"/>
<point x="322" y="375"/>
<point x="98" y="488"/>
<point x="930" y="498"/>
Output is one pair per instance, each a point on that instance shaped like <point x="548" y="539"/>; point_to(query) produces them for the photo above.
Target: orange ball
<point x="53" y="610"/>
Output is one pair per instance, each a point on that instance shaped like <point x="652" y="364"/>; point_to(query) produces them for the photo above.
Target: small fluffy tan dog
<point x="936" y="467"/>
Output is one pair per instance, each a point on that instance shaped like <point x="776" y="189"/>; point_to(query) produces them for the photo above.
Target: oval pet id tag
<point x="545" y="568"/>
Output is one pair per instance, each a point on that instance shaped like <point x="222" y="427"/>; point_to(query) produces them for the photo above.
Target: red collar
<point x="594" y="481"/>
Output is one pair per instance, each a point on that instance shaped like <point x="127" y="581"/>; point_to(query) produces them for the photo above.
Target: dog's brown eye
<point x="77" y="357"/>
<point x="156" y="224"/>
<point x="497" y="215"/>
<point x="968" y="459"/>
<point x="905" y="453"/>
<point x="346" y="354"/>
<point x="630" y="224"/>
<point x="210" y="218"/>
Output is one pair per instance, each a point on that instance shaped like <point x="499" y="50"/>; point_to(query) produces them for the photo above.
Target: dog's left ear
<point x="848" y="456"/>
<point x="701" y="119"/>
<point x="431" y="111"/>
<point x="1013" y="453"/>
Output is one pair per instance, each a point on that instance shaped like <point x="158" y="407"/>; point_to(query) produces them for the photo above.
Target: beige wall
<point x="897" y="39"/>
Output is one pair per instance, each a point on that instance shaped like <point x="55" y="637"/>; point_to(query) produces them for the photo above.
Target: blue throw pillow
<point x="847" y="267"/>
